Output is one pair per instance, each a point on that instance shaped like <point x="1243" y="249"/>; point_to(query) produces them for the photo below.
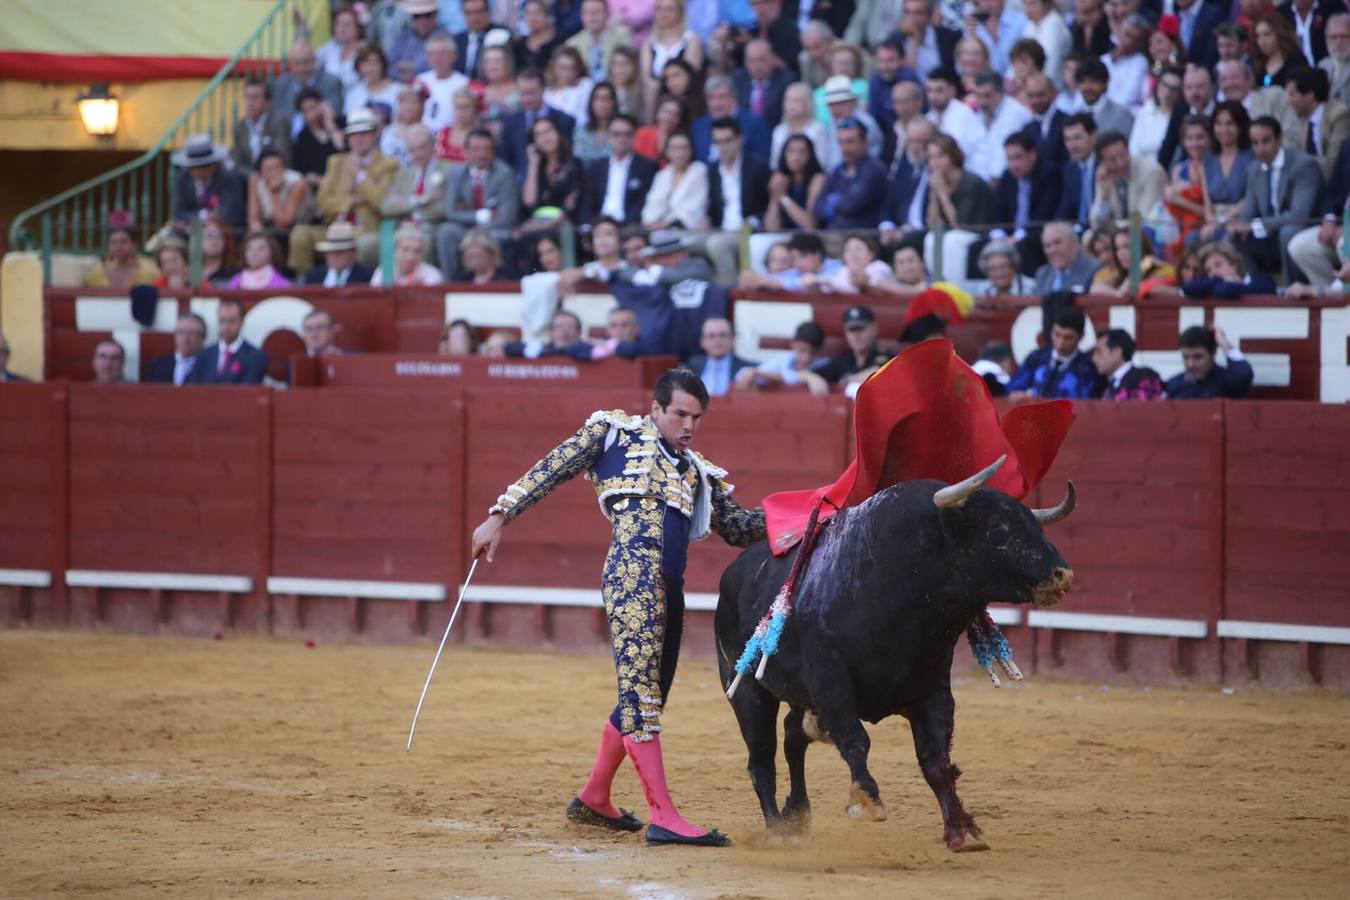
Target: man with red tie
<point x="231" y="360"/>
<point x="761" y="82"/>
<point x="480" y="194"/>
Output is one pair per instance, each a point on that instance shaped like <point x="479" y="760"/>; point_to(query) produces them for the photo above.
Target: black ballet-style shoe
<point x="660" y="837"/>
<point x="581" y="814"/>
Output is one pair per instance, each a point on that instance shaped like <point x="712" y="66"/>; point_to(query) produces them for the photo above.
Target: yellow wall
<point x="44" y="116"/>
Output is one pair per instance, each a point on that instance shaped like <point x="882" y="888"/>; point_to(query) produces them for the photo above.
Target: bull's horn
<point x="1066" y="506"/>
<point x="955" y="496"/>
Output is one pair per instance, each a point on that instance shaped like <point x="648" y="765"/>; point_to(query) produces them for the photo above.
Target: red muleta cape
<point x="926" y="414"/>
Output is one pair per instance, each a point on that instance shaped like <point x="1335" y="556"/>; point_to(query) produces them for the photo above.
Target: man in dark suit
<point x="1060" y="370"/>
<point x="617" y="185"/>
<point x="1198" y="19"/>
<point x="469" y="43"/>
<point x="906" y="206"/>
<point x="204" y="188"/>
<point x="854" y="195"/>
<point x="720" y="95"/>
<point x="717" y="365"/>
<point x="303" y="72"/>
<point x="1122" y="379"/>
<point x="728" y="211"/>
<point x="1266" y="223"/>
<point x="1312" y="15"/>
<point x="1203" y="378"/>
<point x="516" y="125"/>
<point x="340" y="267"/>
<point x="1047" y="123"/>
<point x="1079" y="185"/>
<point x="761" y="83"/>
<point x="1090" y="31"/>
<point x="176" y="368"/>
<point x="773" y="25"/>
<point x="261" y="127"/>
<point x="1025" y="195"/>
<point x="1197" y="87"/>
<point x="231" y="360"/>
<point x="918" y="43"/>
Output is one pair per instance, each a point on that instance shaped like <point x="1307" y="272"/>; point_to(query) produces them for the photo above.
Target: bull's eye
<point x="1000" y="536"/>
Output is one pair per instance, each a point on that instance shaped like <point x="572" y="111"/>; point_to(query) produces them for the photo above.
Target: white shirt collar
<point x="234" y="347"/>
<point x="1277" y="165"/>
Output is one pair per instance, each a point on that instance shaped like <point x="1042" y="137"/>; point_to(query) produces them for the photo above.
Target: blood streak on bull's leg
<point x="932" y="725"/>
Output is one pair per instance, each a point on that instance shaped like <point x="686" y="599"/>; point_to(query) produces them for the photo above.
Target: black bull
<point x="881" y="604"/>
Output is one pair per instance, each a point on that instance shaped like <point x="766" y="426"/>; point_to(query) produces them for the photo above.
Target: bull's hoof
<point x="811" y="725"/>
<point x="863" y="807"/>
<point x="796" y="818"/>
<point x="967" y="843"/>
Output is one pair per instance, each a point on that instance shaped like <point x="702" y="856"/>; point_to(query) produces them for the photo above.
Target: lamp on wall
<point x="98" y="110"/>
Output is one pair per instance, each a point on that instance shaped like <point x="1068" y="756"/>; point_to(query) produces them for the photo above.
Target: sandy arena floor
<point x="141" y="767"/>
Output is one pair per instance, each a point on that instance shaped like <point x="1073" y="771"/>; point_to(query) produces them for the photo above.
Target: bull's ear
<point x="956" y="495"/>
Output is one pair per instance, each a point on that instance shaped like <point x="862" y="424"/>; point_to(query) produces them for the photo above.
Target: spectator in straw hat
<point x="352" y="190"/>
<point x="408" y="54"/>
<point x="203" y="188"/>
<point x="843" y="106"/>
<point x="339" y="253"/>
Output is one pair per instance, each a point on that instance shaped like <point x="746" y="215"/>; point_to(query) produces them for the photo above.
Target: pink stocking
<point x="651" y="770"/>
<point x="596" y="792"/>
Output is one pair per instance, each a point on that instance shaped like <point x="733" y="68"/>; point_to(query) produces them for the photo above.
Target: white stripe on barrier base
<point x="1277" y="631"/>
<point x="1003" y="615"/>
<point x="164" y="581"/>
<point x="497" y="593"/>
<point x="1072" y="621"/>
<point x="371" y="590"/>
<point x="26" y="577"/>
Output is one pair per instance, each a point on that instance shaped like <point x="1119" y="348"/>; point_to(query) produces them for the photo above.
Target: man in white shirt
<point x="738" y="193"/>
<point x="951" y="116"/>
<point x="1127" y="64"/>
<point x="998" y="27"/>
<point x="1001" y="116"/>
<point x="441" y="82"/>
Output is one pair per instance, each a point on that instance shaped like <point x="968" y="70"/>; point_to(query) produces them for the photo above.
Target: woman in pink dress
<point x="262" y="261"/>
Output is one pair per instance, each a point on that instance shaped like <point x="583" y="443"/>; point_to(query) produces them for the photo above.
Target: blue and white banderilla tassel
<point x="764" y="642"/>
<point x="988" y="645"/>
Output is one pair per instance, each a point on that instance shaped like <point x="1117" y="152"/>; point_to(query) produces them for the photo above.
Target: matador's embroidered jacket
<point x="658" y="500"/>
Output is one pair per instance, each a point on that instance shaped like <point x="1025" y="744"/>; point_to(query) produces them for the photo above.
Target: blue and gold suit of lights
<point x="658" y="500"/>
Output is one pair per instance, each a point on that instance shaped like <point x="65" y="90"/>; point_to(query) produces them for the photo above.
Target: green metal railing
<point x="141" y="191"/>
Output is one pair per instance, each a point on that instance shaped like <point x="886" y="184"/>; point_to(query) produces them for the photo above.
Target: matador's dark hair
<point x="679" y="380"/>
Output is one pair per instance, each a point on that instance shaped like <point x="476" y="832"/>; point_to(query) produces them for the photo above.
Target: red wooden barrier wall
<point x="408" y="320"/>
<point x="367" y="487"/>
<point x="1192" y="516"/>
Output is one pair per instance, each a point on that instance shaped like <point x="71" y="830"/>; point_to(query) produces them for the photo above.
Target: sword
<point x="451" y="624"/>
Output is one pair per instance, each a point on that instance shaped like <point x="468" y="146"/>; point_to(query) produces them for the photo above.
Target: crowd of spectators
<point x="1057" y="147"/>
<point x="983" y="119"/>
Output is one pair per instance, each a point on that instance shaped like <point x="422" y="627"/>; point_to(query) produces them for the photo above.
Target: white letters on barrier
<point x="104" y="314"/>
<point x="1335" y="378"/>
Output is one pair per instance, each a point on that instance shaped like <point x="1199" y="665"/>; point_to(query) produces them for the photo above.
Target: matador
<point x="659" y="495"/>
